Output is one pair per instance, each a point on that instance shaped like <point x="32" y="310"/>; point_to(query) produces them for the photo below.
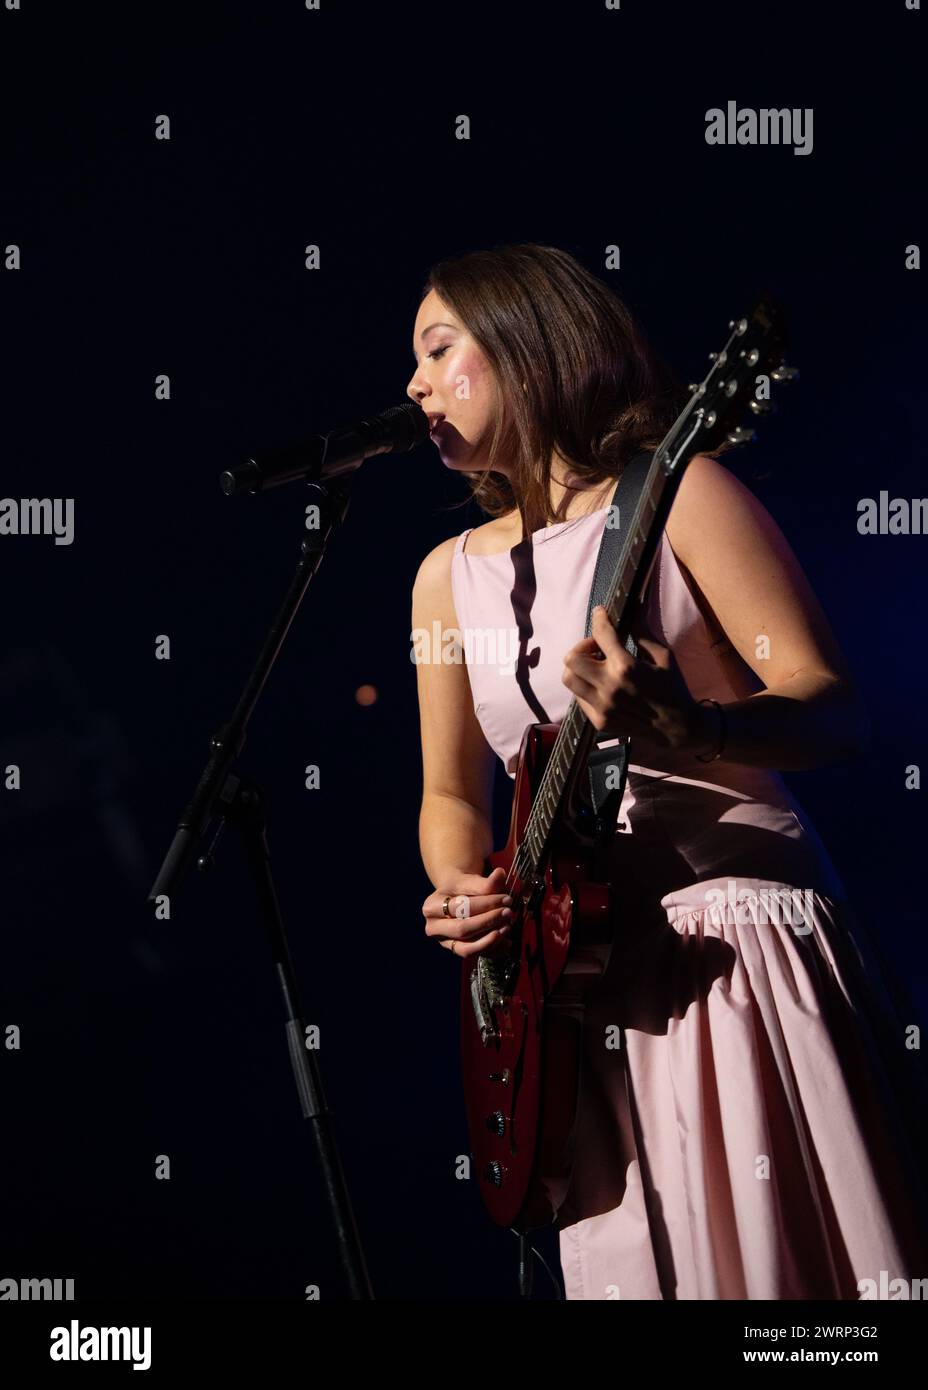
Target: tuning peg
<point x="762" y="407"/>
<point x="741" y="436"/>
<point x="784" y="373"/>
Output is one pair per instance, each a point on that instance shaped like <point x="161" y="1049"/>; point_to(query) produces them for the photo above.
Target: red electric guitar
<point x="520" y="1056"/>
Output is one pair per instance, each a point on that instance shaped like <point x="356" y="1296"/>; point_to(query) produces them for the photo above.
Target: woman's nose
<point x="417" y="388"/>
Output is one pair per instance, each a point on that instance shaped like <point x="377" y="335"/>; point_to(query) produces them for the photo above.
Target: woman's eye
<point x="439" y="351"/>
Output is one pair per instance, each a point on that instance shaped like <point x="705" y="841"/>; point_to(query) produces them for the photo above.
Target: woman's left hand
<point x="645" y="698"/>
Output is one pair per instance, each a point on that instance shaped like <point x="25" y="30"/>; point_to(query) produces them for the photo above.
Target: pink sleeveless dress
<point x="735" y="1138"/>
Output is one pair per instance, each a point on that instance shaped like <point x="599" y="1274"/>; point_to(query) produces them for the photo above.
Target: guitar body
<point x="520" y="1051"/>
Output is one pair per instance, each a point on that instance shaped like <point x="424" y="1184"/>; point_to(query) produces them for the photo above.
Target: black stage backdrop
<point x="129" y="1040"/>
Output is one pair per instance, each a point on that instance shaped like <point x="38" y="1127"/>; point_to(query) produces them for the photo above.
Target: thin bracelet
<point x="723" y="730"/>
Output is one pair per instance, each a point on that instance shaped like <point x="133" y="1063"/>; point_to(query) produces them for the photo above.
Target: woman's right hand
<point x="481" y="912"/>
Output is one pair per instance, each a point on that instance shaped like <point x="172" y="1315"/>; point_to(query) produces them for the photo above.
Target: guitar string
<point x="519" y="860"/>
<point x="520" y="864"/>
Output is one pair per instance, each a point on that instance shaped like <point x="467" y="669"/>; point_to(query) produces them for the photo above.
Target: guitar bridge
<point x="489" y="982"/>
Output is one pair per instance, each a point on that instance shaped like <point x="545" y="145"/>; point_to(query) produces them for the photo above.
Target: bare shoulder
<point x="434" y="573"/>
<point x="746" y="570"/>
<point x="711" y="497"/>
<point x="491" y="537"/>
<point x="432" y="594"/>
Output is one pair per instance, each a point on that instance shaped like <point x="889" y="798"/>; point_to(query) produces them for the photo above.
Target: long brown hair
<point x="595" y="393"/>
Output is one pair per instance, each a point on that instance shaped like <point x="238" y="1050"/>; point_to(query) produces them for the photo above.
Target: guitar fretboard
<point x="576" y="733"/>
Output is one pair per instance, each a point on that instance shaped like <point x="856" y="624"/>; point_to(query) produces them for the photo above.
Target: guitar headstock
<point x="736" y="385"/>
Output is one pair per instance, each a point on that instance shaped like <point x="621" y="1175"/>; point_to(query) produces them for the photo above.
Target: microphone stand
<point x="226" y="793"/>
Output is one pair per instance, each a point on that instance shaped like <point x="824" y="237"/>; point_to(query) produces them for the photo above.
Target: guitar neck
<point x="576" y="733"/>
<point x="740" y="376"/>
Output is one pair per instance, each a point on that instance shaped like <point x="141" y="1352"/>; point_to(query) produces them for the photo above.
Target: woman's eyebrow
<point x="428" y="330"/>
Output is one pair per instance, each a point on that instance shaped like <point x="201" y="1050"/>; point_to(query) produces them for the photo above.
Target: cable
<point x="544" y="1263"/>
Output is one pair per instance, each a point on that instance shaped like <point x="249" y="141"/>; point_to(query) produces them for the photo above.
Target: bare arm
<point x="456" y="816"/>
<point x="810" y="713"/>
<point x="455" y="819"/>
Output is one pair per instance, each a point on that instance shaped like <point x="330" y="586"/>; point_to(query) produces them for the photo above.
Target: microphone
<point x="396" y="430"/>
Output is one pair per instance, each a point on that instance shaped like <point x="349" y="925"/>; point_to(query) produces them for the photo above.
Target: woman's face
<point x="454" y="385"/>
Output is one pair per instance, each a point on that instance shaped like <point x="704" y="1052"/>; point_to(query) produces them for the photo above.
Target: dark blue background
<point x="185" y="257"/>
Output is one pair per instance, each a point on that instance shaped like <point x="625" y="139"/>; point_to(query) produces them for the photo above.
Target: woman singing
<point x="743" y="1142"/>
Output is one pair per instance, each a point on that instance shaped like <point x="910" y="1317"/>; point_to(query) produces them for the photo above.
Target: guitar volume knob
<point x="494" y="1173"/>
<point x="496" y="1123"/>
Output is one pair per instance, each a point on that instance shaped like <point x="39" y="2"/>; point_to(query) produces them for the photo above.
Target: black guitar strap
<point x="624" y="501"/>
